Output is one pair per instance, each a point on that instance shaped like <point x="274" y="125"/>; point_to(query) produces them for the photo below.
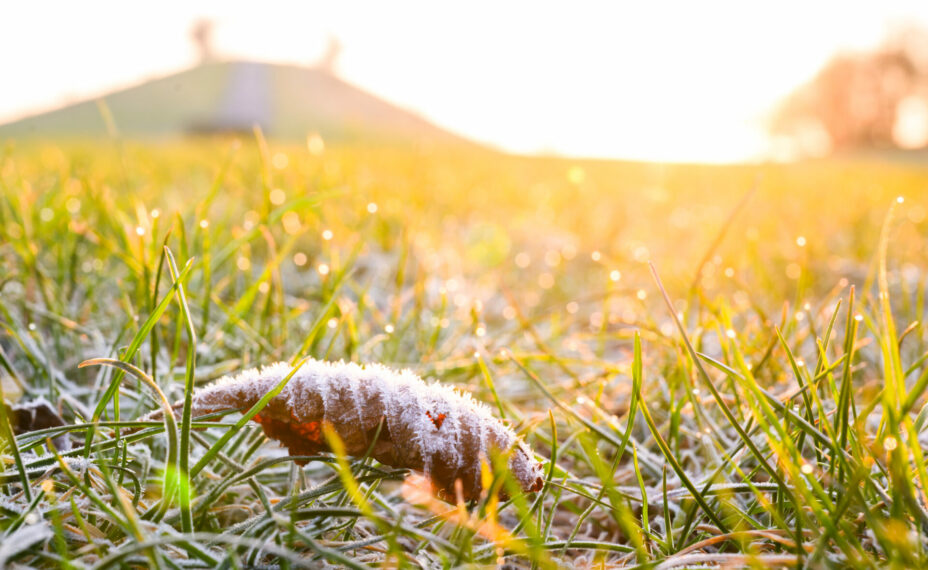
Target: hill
<point x="286" y="101"/>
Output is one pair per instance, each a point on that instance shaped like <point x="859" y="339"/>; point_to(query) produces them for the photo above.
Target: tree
<point x="860" y="100"/>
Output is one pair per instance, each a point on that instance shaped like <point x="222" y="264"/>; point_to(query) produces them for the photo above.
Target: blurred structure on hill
<point x="329" y="60"/>
<point x="202" y="36"/>
<point x="862" y="101"/>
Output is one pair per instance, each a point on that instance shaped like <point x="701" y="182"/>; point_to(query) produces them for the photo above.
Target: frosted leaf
<point x="426" y="427"/>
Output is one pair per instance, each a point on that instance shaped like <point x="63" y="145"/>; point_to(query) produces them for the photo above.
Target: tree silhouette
<point x="856" y="98"/>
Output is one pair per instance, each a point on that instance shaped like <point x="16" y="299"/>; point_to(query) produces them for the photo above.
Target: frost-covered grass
<point x="770" y="415"/>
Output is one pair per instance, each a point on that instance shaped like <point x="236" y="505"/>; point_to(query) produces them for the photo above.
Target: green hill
<point x="286" y="101"/>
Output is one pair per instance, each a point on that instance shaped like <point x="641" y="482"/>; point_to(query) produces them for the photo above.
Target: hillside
<point x="286" y="101"/>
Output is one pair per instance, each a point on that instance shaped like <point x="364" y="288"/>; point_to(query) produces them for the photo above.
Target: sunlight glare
<point x="653" y="81"/>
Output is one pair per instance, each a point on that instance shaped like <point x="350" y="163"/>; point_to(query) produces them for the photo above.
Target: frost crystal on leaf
<point x="426" y="427"/>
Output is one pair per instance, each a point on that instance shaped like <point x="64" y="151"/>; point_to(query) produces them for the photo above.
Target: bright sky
<point x="650" y="80"/>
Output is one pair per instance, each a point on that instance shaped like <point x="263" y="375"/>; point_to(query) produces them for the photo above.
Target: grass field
<point x="771" y="418"/>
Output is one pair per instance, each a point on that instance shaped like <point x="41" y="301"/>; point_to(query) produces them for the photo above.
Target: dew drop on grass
<point x="315" y="144"/>
<point x="280" y="161"/>
<point x="291" y="223"/>
<point x="552" y="258"/>
<point x="277" y="196"/>
<point x="251" y="219"/>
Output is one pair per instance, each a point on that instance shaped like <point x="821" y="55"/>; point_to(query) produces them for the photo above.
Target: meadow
<point x="717" y="365"/>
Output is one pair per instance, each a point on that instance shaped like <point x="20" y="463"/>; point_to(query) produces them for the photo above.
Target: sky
<point x="657" y="80"/>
